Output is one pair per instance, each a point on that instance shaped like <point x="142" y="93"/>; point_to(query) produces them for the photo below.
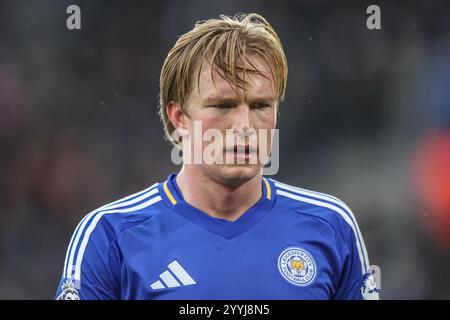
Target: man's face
<point x="243" y="114"/>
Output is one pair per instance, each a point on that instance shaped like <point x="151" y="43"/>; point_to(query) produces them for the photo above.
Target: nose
<point x="241" y="121"/>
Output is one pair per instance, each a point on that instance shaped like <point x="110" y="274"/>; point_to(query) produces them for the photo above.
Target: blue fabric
<point x="291" y="244"/>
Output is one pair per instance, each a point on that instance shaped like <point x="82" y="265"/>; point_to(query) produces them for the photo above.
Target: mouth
<point x="241" y="150"/>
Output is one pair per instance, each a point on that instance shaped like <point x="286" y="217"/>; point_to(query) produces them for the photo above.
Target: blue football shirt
<point x="292" y="244"/>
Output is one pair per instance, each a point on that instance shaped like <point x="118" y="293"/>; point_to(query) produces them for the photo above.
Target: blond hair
<point x="225" y="43"/>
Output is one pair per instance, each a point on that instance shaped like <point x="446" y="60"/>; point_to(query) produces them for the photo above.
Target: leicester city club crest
<point x="297" y="266"/>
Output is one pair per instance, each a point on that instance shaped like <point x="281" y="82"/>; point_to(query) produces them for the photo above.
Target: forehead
<point x="214" y="85"/>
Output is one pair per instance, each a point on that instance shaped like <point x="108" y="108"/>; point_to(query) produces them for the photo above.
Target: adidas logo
<point x="169" y="281"/>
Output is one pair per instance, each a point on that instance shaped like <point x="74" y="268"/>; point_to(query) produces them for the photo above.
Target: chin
<point x="235" y="175"/>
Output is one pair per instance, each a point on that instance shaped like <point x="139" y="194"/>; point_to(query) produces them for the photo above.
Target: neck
<point x="215" y="198"/>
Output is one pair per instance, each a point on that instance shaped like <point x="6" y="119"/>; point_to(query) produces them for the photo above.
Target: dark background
<point x="79" y="124"/>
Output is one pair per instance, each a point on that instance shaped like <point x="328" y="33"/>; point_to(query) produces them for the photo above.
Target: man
<point x="218" y="229"/>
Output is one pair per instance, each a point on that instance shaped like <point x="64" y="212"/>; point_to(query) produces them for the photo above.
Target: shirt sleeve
<point x="95" y="258"/>
<point x="357" y="279"/>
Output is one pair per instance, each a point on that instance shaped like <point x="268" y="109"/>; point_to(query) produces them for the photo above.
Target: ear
<point x="176" y="115"/>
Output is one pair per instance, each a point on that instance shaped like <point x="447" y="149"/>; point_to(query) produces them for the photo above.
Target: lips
<point x="241" y="149"/>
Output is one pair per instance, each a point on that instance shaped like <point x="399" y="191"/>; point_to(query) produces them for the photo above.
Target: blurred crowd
<point x="79" y="124"/>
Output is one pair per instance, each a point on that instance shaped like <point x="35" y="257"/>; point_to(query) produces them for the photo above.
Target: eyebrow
<point x="215" y="99"/>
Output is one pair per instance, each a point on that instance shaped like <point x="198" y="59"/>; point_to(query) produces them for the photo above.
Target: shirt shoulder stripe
<point x="94" y="222"/>
<point x="129" y="200"/>
<point x="331" y="203"/>
<point x="325" y="197"/>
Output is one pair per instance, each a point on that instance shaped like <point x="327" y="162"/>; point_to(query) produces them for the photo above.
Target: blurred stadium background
<point x="366" y="118"/>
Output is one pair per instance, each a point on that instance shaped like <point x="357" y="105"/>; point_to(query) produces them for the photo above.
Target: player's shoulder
<point x="100" y="228"/>
<point x="325" y="207"/>
<point x="126" y="211"/>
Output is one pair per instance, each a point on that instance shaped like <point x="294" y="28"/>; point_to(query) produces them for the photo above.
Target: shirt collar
<point x="172" y="197"/>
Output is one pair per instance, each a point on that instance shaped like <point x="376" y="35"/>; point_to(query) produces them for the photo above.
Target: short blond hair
<point x="225" y="43"/>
